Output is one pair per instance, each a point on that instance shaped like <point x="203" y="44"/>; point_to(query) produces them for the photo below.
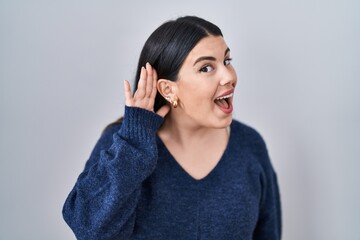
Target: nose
<point x="228" y="76"/>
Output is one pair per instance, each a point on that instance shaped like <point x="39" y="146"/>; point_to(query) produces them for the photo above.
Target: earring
<point x="173" y="103"/>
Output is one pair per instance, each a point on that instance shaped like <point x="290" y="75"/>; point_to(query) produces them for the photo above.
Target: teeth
<point x="226" y="96"/>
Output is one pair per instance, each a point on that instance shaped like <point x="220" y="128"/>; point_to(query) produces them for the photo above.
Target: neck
<point x="185" y="132"/>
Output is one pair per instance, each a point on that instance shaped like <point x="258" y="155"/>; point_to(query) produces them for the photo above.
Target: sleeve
<point x="103" y="201"/>
<point x="269" y="220"/>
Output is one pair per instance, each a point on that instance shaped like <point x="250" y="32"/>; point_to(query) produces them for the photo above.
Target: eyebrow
<point x="210" y="58"/>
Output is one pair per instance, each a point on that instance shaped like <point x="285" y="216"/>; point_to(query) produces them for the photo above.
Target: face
<point x="205" y="85"/>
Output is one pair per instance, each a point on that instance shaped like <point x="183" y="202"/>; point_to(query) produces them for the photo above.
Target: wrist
<point x="140" y="123"/>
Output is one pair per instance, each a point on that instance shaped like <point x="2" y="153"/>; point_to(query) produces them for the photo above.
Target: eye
<point x="227" y="61"/>
<point x="206" y="68"/>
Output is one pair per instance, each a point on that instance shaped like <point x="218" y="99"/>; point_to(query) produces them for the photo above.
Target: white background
<point x="62" y="64"/>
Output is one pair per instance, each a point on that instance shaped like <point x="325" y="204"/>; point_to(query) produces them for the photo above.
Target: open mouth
<point x="224" y="101"/>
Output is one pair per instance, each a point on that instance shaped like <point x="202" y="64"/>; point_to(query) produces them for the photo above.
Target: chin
<point x="223" y="123"/>
<point x="228" y="122"/>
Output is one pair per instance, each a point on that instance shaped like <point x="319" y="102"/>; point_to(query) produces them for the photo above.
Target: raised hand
<point x="145" y="93"/>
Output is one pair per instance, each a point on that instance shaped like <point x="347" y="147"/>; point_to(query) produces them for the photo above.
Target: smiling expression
<point x="205" y="85"/>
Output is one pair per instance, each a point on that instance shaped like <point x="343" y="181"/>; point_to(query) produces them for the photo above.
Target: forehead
<point x="214" y="46"/>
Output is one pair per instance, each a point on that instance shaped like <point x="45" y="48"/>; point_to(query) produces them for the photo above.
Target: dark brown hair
<point x="168" y="46"/>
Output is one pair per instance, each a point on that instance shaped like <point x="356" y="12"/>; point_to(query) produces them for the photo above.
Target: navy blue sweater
<point x="133" y="188"/>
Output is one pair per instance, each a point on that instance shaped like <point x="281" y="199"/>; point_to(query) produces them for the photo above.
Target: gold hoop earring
<point x="174" y="104"/>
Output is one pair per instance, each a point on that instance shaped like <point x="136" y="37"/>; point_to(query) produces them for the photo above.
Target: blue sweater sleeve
<point x="103" y="201"/>
<point x="269" y="220"/>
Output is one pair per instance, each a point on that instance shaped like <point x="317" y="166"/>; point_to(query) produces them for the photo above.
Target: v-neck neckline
<point x="213" y="171"/>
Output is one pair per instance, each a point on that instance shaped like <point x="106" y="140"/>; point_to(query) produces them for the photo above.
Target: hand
<point x="145" y="94"/>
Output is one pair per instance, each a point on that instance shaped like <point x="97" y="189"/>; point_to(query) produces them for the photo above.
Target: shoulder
<point x="250" y="143"/>
<point x="246" y="134"/>
<point x="106" y="137"/>
<point x="107" y="134"/>
<point x="104" y="142"/>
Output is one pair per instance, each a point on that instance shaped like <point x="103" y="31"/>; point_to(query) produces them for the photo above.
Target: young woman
<point x="177" y="166"/>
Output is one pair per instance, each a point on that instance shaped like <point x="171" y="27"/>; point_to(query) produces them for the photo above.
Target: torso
<point x="223" y="204"/>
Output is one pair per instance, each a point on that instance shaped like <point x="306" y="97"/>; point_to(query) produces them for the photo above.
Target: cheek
<point x="197" y="93"/>
<point x="197" y="99"/>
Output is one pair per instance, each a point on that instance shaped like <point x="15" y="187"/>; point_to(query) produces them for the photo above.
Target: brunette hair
<point x="168" y="46"/>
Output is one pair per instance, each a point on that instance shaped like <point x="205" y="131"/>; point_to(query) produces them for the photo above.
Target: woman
<point x="177" y="166"/>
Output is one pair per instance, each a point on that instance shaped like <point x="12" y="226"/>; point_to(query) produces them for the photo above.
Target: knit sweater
<point x="133" y="188"/>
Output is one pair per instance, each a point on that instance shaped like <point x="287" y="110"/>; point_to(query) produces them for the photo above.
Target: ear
<point x="167" y="89"/>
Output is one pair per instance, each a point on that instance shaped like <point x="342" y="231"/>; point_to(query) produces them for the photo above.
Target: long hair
<point x="168" y="46"/>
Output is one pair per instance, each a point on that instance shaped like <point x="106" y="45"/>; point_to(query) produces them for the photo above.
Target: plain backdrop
<point x="62" y="64"/>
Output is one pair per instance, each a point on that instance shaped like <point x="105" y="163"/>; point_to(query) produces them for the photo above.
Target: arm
<point x="269" y="221"/>
<point x="103" y="201"/>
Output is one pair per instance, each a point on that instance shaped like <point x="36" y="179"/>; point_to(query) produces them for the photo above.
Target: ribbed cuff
<point x="140" y="124"/>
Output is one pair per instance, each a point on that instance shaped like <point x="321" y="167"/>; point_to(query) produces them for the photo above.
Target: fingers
<point x="154" y="89"/>
<point x="163" y="110"/>
<point x="140" y="91"/>
<point x="144" y="96"/>
<point x="149" y="80"/>
<point x="128" y="95"/>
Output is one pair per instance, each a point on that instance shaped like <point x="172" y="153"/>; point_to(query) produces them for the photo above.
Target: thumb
<point x="163" y="110"/>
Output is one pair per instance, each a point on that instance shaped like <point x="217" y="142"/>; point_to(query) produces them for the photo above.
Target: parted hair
<point x="168" y="46"/>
